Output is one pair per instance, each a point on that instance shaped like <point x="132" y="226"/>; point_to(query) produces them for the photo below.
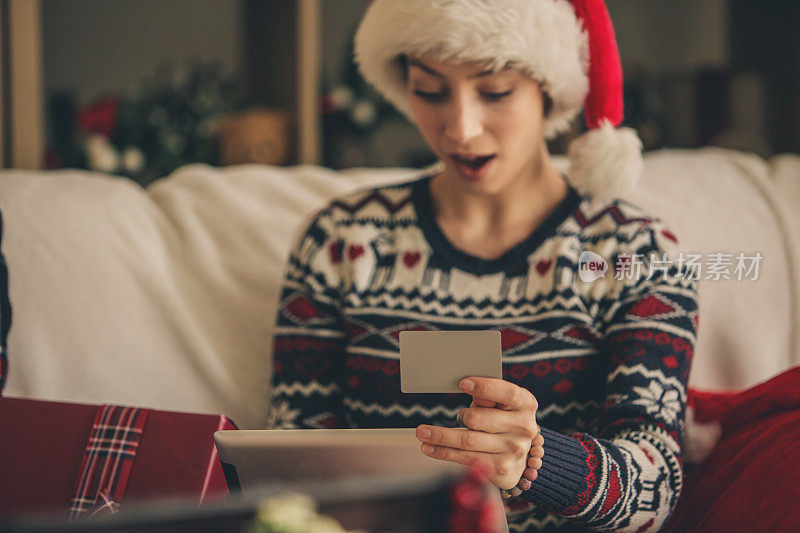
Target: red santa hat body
<point x="567" y="45"/>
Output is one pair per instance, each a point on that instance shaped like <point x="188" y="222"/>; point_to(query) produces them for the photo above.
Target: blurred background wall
<point x="698" y="72"/>
<point x="94" y="47"/>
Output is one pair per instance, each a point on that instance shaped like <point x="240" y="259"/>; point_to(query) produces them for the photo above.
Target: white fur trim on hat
<point x="541" y="38"/>
<point x="605" y="162"/>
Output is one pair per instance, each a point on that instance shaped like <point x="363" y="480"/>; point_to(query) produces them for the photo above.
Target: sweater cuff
<point x="564" y="473"/>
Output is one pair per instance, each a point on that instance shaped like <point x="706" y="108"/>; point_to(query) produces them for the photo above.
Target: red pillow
<point x="751" y="479"/>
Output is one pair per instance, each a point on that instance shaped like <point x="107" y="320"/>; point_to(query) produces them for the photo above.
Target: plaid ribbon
<point x="108" y="461"/>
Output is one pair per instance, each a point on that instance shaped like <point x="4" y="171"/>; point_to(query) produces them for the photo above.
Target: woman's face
<point x="486" y="127"/>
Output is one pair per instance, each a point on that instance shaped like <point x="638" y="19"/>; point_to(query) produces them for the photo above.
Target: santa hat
<point x="567" y="45"/>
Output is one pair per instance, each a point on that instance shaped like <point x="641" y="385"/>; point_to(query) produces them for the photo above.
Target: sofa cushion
<point x="160" y="298"/>
<point x="98" y="286"/>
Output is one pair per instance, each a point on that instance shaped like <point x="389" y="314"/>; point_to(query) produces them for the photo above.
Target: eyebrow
<point x="433" y="72"/>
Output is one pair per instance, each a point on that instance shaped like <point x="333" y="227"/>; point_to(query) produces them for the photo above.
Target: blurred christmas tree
<point x="170" y="123"/>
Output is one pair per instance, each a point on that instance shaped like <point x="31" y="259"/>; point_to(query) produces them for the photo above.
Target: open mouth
<point x="474" y="163"/>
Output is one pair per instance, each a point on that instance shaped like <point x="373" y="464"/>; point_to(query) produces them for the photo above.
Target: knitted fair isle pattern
<point x="608" y="360"/>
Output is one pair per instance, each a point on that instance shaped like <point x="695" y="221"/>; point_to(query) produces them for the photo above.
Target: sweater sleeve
<point x="5" y="314"/>
<point x="309" y="337"/>
<point x="628" y="476"/>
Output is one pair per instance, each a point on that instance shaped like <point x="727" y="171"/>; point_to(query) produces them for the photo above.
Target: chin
<point x="488" y="186"/>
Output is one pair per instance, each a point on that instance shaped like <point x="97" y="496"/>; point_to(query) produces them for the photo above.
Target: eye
<point x="494" y="97"/>
<point x="430" y="96"/>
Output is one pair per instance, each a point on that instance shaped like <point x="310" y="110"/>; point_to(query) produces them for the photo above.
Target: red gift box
<point x="43" y="448"/>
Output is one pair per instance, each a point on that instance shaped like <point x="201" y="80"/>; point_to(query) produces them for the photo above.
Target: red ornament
<point x="471" y="508"/>
<point x="327" y="105"/>
<point x="52" y="159"/>
<point x="100" y="117"/>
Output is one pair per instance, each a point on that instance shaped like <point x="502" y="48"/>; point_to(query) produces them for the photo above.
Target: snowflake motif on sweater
<point x="607" y="360"/>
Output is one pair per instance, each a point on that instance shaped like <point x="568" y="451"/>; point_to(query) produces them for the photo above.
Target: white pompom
<point x="699" y="439"/>
<point x="605" y="162"/>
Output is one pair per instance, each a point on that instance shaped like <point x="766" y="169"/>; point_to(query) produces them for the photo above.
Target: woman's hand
<point x="500" y="427"/>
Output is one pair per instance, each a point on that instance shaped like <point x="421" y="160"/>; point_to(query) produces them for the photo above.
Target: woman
<point x="584" y="429"/>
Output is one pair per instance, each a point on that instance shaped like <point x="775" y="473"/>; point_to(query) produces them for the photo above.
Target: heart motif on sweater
<point x="354" y="251"/>
<point x="543" y="265"/>
<point x="411" y="258"/>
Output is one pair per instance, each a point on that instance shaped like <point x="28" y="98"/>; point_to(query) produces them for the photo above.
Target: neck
<point x="489" y="224"/>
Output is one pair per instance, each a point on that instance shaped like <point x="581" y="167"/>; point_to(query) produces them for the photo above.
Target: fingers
<point x="509" y="440"/>
<point x="493" y="420"/>
<point x="462" y="439"/>
<point x="487" y="419"/>
<point x="518" y="447"/>
<point x="500" y="427"/>
<point x="500" y="470"/>
<point x="507" y="395"/>
<point x="462" y="457"/>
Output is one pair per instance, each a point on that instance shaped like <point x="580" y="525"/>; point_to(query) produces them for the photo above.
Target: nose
<point x="463" y="120"/>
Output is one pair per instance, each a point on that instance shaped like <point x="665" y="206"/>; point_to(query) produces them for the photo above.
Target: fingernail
<point x="427" y="449"/>
<point x="467" y="385"/>
<point x="425" y="433"/>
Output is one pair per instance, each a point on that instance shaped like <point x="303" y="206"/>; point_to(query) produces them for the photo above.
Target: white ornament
<point x="341" y="97"/>
<point x="363" y="113"/>
<point x="133" y="160"/>
<point x="101" y="154"/>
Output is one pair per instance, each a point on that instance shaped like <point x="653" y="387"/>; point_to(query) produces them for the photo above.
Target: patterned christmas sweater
<point x="607" y="360"/>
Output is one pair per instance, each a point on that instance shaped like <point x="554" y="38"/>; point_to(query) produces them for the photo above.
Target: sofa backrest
<point x="165" y="297"/>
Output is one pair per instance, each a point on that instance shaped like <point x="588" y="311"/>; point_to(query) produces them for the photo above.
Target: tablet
<point x="253" y="458"/>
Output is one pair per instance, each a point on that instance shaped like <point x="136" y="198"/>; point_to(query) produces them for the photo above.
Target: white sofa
<point x="165" y="297"/>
